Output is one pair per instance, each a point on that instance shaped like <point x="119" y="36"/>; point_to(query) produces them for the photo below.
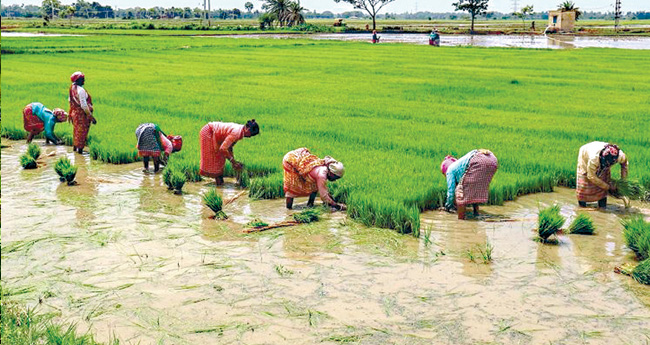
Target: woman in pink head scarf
<point x="468" y="179"/>
<point x="593" y="175"/>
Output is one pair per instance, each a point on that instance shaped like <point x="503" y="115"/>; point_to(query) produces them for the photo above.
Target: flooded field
<point x="120" y="255"/>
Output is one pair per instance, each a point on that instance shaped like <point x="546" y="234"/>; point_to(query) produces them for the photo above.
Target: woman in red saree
<point x="81" y="111"/>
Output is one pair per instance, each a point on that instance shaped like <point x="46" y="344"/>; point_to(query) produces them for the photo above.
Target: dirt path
<point x="121" y="255"/>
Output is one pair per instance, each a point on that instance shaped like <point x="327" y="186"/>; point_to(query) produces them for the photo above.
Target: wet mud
<point x="122" y="256"/>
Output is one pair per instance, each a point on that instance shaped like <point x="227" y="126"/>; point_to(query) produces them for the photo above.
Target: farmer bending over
<point x="593" y="176"/>
<point x="37" y="118"/>
<point x="468" y="179"/>
<point x="153" y="143"/>
<point x="217" y="141"/>
<point x="305" y="175"/>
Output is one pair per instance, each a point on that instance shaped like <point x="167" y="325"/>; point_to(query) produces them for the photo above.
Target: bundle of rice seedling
<point x="167" y="177"/>
<point x="27" y="162"/>
<point x="177" y="180"/>
<point x="60" y="165"/>
<point x="243" y="178"/>
<point x="213" y="201"/>
<point x="550" y="221"/>
<point x="641" y="272"/>
<point x="582" y="224"/>
<point x="34" y="151"/>
<point x="636" y="232"/>
<point x="626" y="188"/>
<point x="69" y="173"/>
<point x="307" y="216"/>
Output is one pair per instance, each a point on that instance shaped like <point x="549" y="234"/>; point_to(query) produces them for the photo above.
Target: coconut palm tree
<point x="280" y="8"/>
<point x="294" y="14"/>
<point x="569" y="6"/>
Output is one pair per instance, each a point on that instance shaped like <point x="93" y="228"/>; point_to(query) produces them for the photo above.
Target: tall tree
<point x="294" y="15"/>
<point x="370" y="6"/>
<point x="525" y="12"/>
<point x="474" y="7"/>
<point x="50" y="8"/>
<point x="249" y="6"/>
<point x="279" y="8"/>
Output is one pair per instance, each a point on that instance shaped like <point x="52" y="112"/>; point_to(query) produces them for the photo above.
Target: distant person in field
<point x="468" y="179"/>
<point x="434" y="38"/>
<point x="305" y="175"/>
<point x="37" y="118"/>
<point x="217" y="141"/>
<point x="375" y="37"/>
<point x="156" y="145"/>
<point x="593" y="176"/>
<point x="81" y="110"/>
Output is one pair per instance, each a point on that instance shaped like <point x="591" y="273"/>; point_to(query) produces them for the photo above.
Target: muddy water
<point x="122" y="256"/>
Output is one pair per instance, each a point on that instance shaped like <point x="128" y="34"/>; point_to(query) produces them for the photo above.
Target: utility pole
<point x="617" y="14"/>
<point x="52" y="2"/>
<point x="209" y="13"/>
<point x="514" y="6"/>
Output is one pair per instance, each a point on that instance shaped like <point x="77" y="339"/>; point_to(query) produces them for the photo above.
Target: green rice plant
<point x="167" y="177"/>
<point x="177" y="180"/>
<point x="243" y="178"/>
<point x="636" y="232"/>
<point x="34" y="150"/>
<point x="213" y="201"/>
<point x="582" y="224"/>
<point x="256" y="223"/>
<point x="69" y="173"/>
<point x="268" y="187"/>
<point x="486" y="252"/>
<point x="628" y="188"/>
<point x="549" y="222"/>
<point x="641" y="272"/>
<point x="307" y="216"/>
<point x="28" y="162"/>
<point x="61" y="164"/>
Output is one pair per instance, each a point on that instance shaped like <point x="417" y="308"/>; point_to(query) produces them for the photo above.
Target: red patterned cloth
<point x="297" y="165"/>
<point x="474" y="187"/>
<point x="217" y="140"/>
<point x="31" y="122"/>
<point x="587" y="191"/>
<point x="78" y="117"/>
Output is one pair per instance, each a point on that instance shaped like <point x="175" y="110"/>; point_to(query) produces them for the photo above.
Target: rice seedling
<point x="69" y="174"/>
<point x="307" y="216"/>
<point x="27" y="161"/>
<point x="549" y="222"/>
<point x="256" y="223"/>
<point x="61" y="164"/>
<point x="213" y="201"/>
<point x="582" y="224"/>
<point x="628" y="188"/>
<point x="427" y="237"/>
<point x="34" y="150"/>
<point x="641" y="272"/>
<point x="177" y="180"/>
<point x="167" y="177"/>
<point x="243" y="178"/>
<point x="636" y="232"/>
<point x="486" y="252"/>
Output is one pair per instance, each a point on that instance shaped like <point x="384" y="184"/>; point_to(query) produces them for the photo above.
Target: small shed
<point x="561" y="20"/>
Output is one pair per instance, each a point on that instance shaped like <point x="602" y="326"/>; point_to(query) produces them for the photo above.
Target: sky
<point x="398" y="6"/>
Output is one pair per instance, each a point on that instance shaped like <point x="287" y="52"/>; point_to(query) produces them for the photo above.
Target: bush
<point x="34" y="151"/>
<point x="582" y="224"/>
<point x="550" y="221"/>
<point x="28" y="162"/>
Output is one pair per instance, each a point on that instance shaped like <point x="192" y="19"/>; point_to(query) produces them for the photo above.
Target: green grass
<point x="550" y="221"/>
<point x="582" y="224"/>
<point x="390" y="113"/>
<point x="636" y="232"/>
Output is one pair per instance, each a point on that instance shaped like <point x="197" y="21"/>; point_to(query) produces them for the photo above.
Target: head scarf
<point x="177" y="142"/>
<point x="76" y="75"/>
<point x="334" y="166"/>
<point x="446" y="163"/>
<point x="60" y="114"/>
<point x="609" y="155"/>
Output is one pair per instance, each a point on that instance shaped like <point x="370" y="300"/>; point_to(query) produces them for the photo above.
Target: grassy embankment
<point x="389" y="112"/>
<point x="177" y="27"/>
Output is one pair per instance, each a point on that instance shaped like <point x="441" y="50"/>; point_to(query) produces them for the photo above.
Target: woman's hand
<point x="237" y="165"/>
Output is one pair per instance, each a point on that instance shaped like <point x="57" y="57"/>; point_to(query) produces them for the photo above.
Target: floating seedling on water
<point x="213" y="201"/>
<point x="582" y="224"/>
<point x="257" y="223"/>
<point x="550" y="221"/>
<point x="34" y="151"/>
<point x="28" y="162"/>
<point x="307" y="216"/>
